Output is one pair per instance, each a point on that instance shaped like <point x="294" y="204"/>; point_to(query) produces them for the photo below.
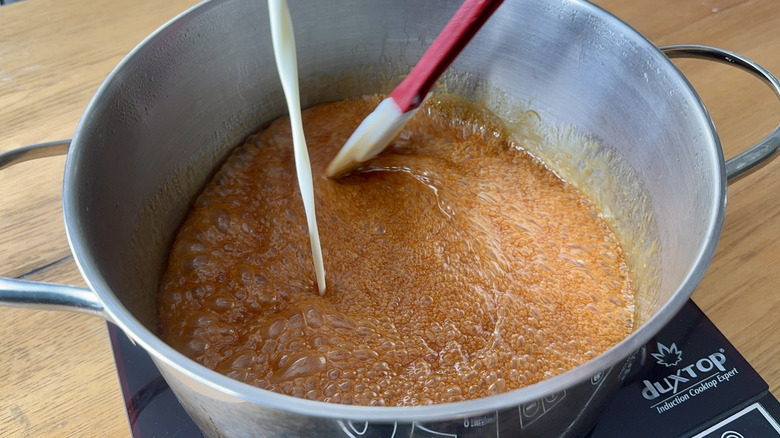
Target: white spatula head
<point x="370" y="138"/>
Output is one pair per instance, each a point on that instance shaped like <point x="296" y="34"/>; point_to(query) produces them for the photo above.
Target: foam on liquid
<point x="459" y="267"/>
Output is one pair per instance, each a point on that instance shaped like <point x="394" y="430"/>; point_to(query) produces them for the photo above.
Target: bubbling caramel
<point x="458" y="266"/>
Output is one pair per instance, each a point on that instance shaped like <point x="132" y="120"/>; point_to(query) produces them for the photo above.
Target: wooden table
<point x="57" y="375"/>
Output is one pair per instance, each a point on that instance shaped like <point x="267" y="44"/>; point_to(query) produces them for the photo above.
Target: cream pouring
<point x="287" y="65"/>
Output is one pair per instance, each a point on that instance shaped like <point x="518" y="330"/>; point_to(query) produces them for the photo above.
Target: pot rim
<point x="169" y="357"/>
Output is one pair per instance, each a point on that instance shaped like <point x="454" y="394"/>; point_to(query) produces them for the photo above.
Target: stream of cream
<point x="287" y="65"/>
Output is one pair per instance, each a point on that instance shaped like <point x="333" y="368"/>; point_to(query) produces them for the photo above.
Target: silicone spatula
<point x="386" y="121"/>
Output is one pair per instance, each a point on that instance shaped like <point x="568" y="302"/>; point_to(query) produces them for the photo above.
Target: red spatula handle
<point x="468" y="19"/>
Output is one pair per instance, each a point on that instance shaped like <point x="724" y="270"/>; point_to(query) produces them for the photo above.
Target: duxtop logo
<point x="705" y="368"/>
<point x="685" y="381"/>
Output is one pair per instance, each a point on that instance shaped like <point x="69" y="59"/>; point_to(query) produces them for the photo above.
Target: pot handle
<point x="762" y="152"/>
<point x="40" y="295"/>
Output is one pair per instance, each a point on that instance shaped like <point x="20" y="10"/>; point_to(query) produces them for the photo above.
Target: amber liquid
<point x="458" y="266"/>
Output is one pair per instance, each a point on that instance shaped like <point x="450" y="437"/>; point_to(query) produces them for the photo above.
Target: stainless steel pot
<point x="604" y="98"/>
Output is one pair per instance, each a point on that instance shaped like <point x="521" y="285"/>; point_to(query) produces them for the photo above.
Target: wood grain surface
<point x="57" y="375"/>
